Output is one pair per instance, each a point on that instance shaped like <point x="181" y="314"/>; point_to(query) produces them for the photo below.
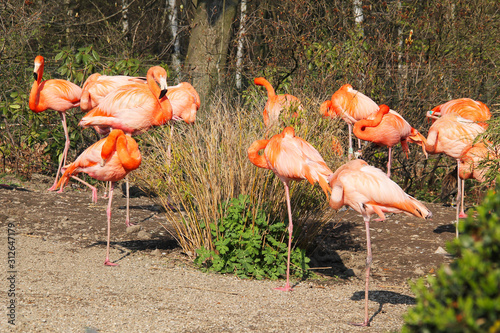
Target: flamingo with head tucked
<point x="109" y="159"/>
<point x="369" y="191"/>
<point x="464" y="107"/>
<point x="351" y="105"/>
<point x="55" y="94"/>
<point x="290" y="158"/>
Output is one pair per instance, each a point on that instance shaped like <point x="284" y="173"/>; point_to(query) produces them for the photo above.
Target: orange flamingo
<point x="58" y="95"/>
<point x="290" y="158"/>
<point x="351" y="105"/>
<point x="369" y="191"/>
<point x="109" y="159"/>
<point x="386" y="128"/>
<point x="472" y="165"/>
<point x="276" y="103"/>
<point x="133" y="108"/>
<point x="451" y="134"/>
<point x="98" y="86"/>
<point x="464" y="107"/>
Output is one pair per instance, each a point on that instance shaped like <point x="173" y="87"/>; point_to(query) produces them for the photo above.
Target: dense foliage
<point x="250" y="250"/>
<point x="464" y="297"/>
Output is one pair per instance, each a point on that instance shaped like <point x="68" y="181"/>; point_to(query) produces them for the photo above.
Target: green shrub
<point x="249" y="250"/>
<point x="464" y="296"/>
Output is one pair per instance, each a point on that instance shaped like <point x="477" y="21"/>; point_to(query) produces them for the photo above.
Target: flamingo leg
<point x="367" y="273"/>
<point x="65" y="151"/>
<point x="462" y="214"/>
<point x="92" y="188"/>
<point x="127" y="186"/>
<point x="459" y="198"/>
<point x="389" y="162"/>
<point x="290" y="230"/>
<point x="106" y="190"/>
<point x="350" y="142"/>
<point x="108" y="213"/>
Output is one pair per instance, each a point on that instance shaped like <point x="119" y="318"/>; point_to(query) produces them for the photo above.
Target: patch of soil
<point x="404" y="248"/>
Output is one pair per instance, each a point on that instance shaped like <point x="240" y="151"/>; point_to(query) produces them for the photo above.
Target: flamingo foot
<point x="53" y="188"/>
<point x="462" y="215"/>
<point x="128" y="223"/>
<point x="285" y="288"/>
<point x="109" y="263"/>
<point x="363" y="324"/>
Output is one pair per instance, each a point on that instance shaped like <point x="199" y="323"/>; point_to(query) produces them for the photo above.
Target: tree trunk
<point x="209" y="43"/>
<point x="241" y="35"/>
<point x="174" y="27"/>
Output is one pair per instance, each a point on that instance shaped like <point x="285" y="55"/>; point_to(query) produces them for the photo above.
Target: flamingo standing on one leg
<point x="451" y="134"/>
<point x="464" y="107"/>
<point x="109" y="159"/>
<point x="351" y="105"/>
<point x="473" y="165"/>
<point x="55" y="94"/>
<point x="369" y="191"/>
<point x="133" y="108"/>
<point x="290" y="158"/>
<point x="386" y="128"/>
<point x="276" y="103"/>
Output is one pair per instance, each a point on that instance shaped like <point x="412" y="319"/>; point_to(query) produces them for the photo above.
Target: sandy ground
<point x="61" y="284"/>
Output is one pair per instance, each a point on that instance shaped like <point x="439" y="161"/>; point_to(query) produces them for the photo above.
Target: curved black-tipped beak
<point x="163" y="93"/>
<point x="35" y="76"/>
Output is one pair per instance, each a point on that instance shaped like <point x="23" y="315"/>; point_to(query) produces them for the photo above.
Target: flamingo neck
<point x="253" y="154"/>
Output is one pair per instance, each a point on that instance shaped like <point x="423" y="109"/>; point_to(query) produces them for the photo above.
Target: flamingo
<point x="451" y="134"/>
<point x="109" y="159"/>
<point x="185" y="102"/>
<point x="465" y="107"/>
<point x="276" y="103"/>
<point x="386" y="128"/>
<point x="133" y="108"/>
<point x="470" y="166"/>
<point x="290" y="158"/>
<point x="351" y="105"/>
<point x="369" y="191"/>
<point x="97" y="86"/>
<point x="55" y="94"/>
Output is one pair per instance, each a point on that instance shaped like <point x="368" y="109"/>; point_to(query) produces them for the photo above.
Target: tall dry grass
<point x="208" y="165"/>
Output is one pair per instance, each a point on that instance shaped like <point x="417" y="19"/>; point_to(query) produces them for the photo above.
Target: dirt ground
<point x="61" y="284"/>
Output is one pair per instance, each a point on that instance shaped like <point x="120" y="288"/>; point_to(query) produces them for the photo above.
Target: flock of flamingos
<point x="122" y="106"/>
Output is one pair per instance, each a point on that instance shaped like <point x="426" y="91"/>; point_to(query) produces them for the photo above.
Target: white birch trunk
<point x="239" y="52"/>
<point x="125" y="25"/>
<point x="174" y="29"/>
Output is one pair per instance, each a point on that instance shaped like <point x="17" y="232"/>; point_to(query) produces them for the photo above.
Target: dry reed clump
<point x="208" y="165"/>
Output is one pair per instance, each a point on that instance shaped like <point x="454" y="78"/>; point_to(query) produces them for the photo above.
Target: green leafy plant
<point x="249" y="246"/>
<point x="464" y="297"/>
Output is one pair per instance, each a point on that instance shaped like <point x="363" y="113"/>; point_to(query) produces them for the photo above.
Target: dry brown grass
<point x="208" y="165"/>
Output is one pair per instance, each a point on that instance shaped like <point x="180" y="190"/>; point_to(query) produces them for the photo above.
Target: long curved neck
<point x="165" y="115"/>
<point x="253" y="154"/>
<point x="34" y="93"/>
<point x="270" y="90"/>
<point x="128" y="152"/>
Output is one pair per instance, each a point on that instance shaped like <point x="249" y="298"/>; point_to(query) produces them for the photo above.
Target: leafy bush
<point x="250" y="250"/>
<point x="464" y="296"/>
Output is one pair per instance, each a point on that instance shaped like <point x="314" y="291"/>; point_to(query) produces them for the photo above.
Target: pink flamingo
<point x="185" y="102"/>
<point x="351" y="105"/>
<point x="451" y="134"/>
<point x="276" y="103"/>
<point x="109" y="159"/>
<point x="133" y="108"/>
<point x="369" y="191"/>
<point x="290" y="158"/>
<point x="58" y="95"/>
<point x="386" y="128"/>
<point x="464" y="107"/>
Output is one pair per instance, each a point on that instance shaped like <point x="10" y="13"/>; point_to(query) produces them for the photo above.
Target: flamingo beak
<point x="163" y="93"/>
<point x="35" y="76"/>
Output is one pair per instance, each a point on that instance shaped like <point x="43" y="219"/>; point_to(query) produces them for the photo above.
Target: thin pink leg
<point x="65" y="151"/>
<point x="108" y="213"/>
<point x="94" y="190"/>
<point x="106" y="190"/>
<point x="367" y="275"/>
<point x="127" y="219"/>
<point x="462" y="214"/>
<point x="290" y="231"/>
<point x="389" y="162"/>
<point x="349" y="155"/>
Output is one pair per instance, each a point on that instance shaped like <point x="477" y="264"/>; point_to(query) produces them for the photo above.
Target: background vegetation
<point x="410" y="55"/>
